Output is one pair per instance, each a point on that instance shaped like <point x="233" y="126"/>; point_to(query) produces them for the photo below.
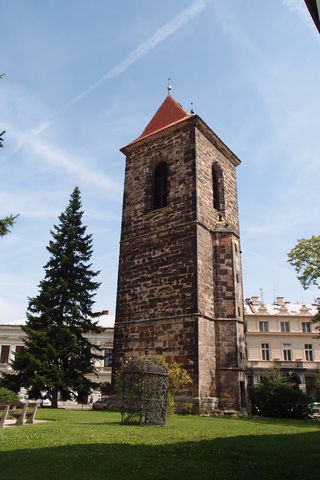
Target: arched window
<point x="160" y="186"/>
<point x="216" y="190"/>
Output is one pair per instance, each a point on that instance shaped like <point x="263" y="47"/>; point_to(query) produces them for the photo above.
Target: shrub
<point x="177" y="378"/>
<point x="274" y="397"/>
<point x="7" y="395"/>
<point x="187" y="408"/>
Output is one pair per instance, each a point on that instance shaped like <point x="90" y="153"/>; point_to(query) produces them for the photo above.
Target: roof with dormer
<point x="272" y="309"/>
<point x="169" y="113"/>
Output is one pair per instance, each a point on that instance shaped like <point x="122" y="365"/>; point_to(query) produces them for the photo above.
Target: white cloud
<point x="79" y="168"/>
<point x="35" y="204"/>
<point x="57" y="158"/>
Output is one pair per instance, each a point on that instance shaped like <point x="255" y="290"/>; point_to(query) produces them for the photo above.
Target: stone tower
<point x="180" y="283"/>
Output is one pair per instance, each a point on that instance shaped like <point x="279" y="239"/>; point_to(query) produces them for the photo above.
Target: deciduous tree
<point x="305" y="257"/>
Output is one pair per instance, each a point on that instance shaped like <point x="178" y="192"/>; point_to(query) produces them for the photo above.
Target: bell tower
<point x="179" y="281"/>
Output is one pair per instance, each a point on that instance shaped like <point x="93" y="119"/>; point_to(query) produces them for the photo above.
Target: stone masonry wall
<point x="207" y="357"/>
<point x="157" y="267"/>
<point x="207" y="154"/>
<point x="176" y="339"/>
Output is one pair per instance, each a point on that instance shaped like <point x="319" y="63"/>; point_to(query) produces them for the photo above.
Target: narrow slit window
<point x="216" y="190"/>
<point x="160" y="186"/>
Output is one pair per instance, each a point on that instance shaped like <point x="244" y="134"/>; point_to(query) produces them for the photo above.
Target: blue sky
<point x="83" y="79"/>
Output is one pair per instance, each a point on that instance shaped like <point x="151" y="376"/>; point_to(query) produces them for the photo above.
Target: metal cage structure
<point x="144" y="392"/>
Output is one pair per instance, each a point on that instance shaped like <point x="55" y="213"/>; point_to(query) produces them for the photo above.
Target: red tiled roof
<point x="169" y="112"/>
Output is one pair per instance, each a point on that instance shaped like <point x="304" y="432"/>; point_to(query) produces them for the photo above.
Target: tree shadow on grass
<point x="243" y="458"/>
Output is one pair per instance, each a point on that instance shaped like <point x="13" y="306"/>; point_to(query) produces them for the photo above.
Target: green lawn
<point x="93" y="445"/>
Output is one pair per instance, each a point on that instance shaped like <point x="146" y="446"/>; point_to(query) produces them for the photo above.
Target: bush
<point x="7" y="395"/>
<point x="177" y="378"/>
<point x="187" y="408"/>
<point x="274" y="397"/>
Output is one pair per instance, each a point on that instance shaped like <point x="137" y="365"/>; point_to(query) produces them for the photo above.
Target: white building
<point x="12" y="340"/>
<point x="283" y="334"/>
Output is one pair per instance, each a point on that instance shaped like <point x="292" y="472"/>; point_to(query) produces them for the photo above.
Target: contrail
<point x="162" y="34"/>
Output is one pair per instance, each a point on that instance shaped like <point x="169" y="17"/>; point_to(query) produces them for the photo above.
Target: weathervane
<point x="192" y="110"/>
<point x="169" y="88"/>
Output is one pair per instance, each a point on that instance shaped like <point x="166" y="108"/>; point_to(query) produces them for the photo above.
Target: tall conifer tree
<point x="57" y="356"/>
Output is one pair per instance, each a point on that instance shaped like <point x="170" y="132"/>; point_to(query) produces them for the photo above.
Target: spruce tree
<point x="57" y="356"/>
<point x="6" y="224"/>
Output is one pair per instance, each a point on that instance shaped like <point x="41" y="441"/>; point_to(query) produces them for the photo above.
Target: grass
<point x="93" y="445"/>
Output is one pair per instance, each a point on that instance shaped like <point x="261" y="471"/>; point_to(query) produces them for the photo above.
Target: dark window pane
<point x="108" y="357"/>
<point x="215" y="190"/>
<point x="4" y="353"/>
<point x="160" y="186"/>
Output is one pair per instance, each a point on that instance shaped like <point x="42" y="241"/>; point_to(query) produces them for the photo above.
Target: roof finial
<point x="169" y="88"/>
<point x="192" y="111"/>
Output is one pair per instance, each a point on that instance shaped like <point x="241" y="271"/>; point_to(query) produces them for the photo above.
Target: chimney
<point x="255" y="300"/>
<point x="280" y="301"/>
<point x="105" y="312"/>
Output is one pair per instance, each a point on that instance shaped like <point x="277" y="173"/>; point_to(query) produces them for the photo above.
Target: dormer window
<point x="160" y="186"/>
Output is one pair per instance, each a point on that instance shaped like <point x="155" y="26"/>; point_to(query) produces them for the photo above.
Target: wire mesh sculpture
<point x="144" y="392"/>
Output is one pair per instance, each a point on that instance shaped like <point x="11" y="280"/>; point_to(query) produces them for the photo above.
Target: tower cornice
<point x="189" y="122"/>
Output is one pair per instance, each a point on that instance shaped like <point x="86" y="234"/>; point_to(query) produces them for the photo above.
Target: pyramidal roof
<point x="169" y="113"/>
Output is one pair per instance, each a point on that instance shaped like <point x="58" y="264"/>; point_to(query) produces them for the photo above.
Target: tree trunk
<point x="54" y="401"/>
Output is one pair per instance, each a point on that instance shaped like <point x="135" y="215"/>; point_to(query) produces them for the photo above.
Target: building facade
<point x="12" y="339"/>
<point x="280" y="334"/>
<point x="283" y="334"/>
<point x="180" y="283"/>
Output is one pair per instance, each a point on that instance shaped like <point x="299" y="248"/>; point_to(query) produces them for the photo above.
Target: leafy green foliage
<point x="274" y="397"/>
<point x="7" y="395"/>
<point x="6" y="224"/>
<point x="177" y="378"/>
<point x="317" y="381"/>
<point x="57" y="355"/>
<point x="305" y="257"/>
<point x="187" y="408"/>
